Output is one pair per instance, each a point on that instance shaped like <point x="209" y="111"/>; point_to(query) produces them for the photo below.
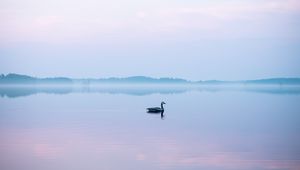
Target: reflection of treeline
<point x="26" y="91"/>
<point x="138" y="91"/>
<point x="280" y="90"/>
<point x="279" y="81"/>
<point x="17" y="91"/>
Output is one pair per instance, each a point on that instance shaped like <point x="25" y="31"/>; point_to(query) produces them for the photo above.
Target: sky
<point x="192" y="39"/>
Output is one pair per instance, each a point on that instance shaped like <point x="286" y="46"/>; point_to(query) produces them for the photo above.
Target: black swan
<point x="157" y="109"/>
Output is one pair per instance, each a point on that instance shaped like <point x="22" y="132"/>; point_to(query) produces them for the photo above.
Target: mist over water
<point x="12" y="91"/>
<point x="207" y="127"/>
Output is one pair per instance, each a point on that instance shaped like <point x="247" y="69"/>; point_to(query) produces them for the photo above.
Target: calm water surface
<point x="105" y="128"/>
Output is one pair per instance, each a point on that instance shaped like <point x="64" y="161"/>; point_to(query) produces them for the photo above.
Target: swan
<point x="157" y="109"/>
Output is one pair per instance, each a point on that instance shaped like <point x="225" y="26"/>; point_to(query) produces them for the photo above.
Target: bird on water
<point x="157" y="109"/>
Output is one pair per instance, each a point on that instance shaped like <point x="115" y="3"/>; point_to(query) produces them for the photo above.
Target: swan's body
<point x="157" y="109"/>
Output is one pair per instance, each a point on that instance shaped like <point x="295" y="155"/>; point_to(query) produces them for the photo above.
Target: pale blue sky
<point x="193" y="39"/>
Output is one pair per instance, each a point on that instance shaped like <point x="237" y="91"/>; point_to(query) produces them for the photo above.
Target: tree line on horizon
<point x="13" y="78"/>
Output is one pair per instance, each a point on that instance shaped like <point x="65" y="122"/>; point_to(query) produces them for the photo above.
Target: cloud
<point x="141" y="14"/>
<point x="236" y="161"/>
<point x="96" y="20"/>
<point x="48" y="21"/>
<point x="231" y="19"/>
<point x="233" y="10"/>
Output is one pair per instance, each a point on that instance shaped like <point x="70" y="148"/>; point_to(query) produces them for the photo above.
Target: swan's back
<point x="154" y="109"/>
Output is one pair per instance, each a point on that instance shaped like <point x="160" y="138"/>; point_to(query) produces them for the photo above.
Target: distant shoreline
<point x="18" y="79"/>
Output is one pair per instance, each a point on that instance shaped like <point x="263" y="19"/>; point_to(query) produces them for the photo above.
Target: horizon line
<point x="142" y="76"/>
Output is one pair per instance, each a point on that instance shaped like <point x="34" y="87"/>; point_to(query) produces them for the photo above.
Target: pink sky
<point x="125" y="38"/>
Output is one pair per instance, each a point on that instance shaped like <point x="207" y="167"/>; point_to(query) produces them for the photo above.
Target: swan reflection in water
<point x="157" y="110"/>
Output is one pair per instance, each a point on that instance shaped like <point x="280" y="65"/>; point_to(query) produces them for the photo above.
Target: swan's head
<point x="163" y="103"/>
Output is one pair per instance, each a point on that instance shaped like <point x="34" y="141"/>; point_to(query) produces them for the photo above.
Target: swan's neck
<point x="162" y="106"/>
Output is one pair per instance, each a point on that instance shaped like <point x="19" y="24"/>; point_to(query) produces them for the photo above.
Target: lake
<point x="108" y="128"/>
